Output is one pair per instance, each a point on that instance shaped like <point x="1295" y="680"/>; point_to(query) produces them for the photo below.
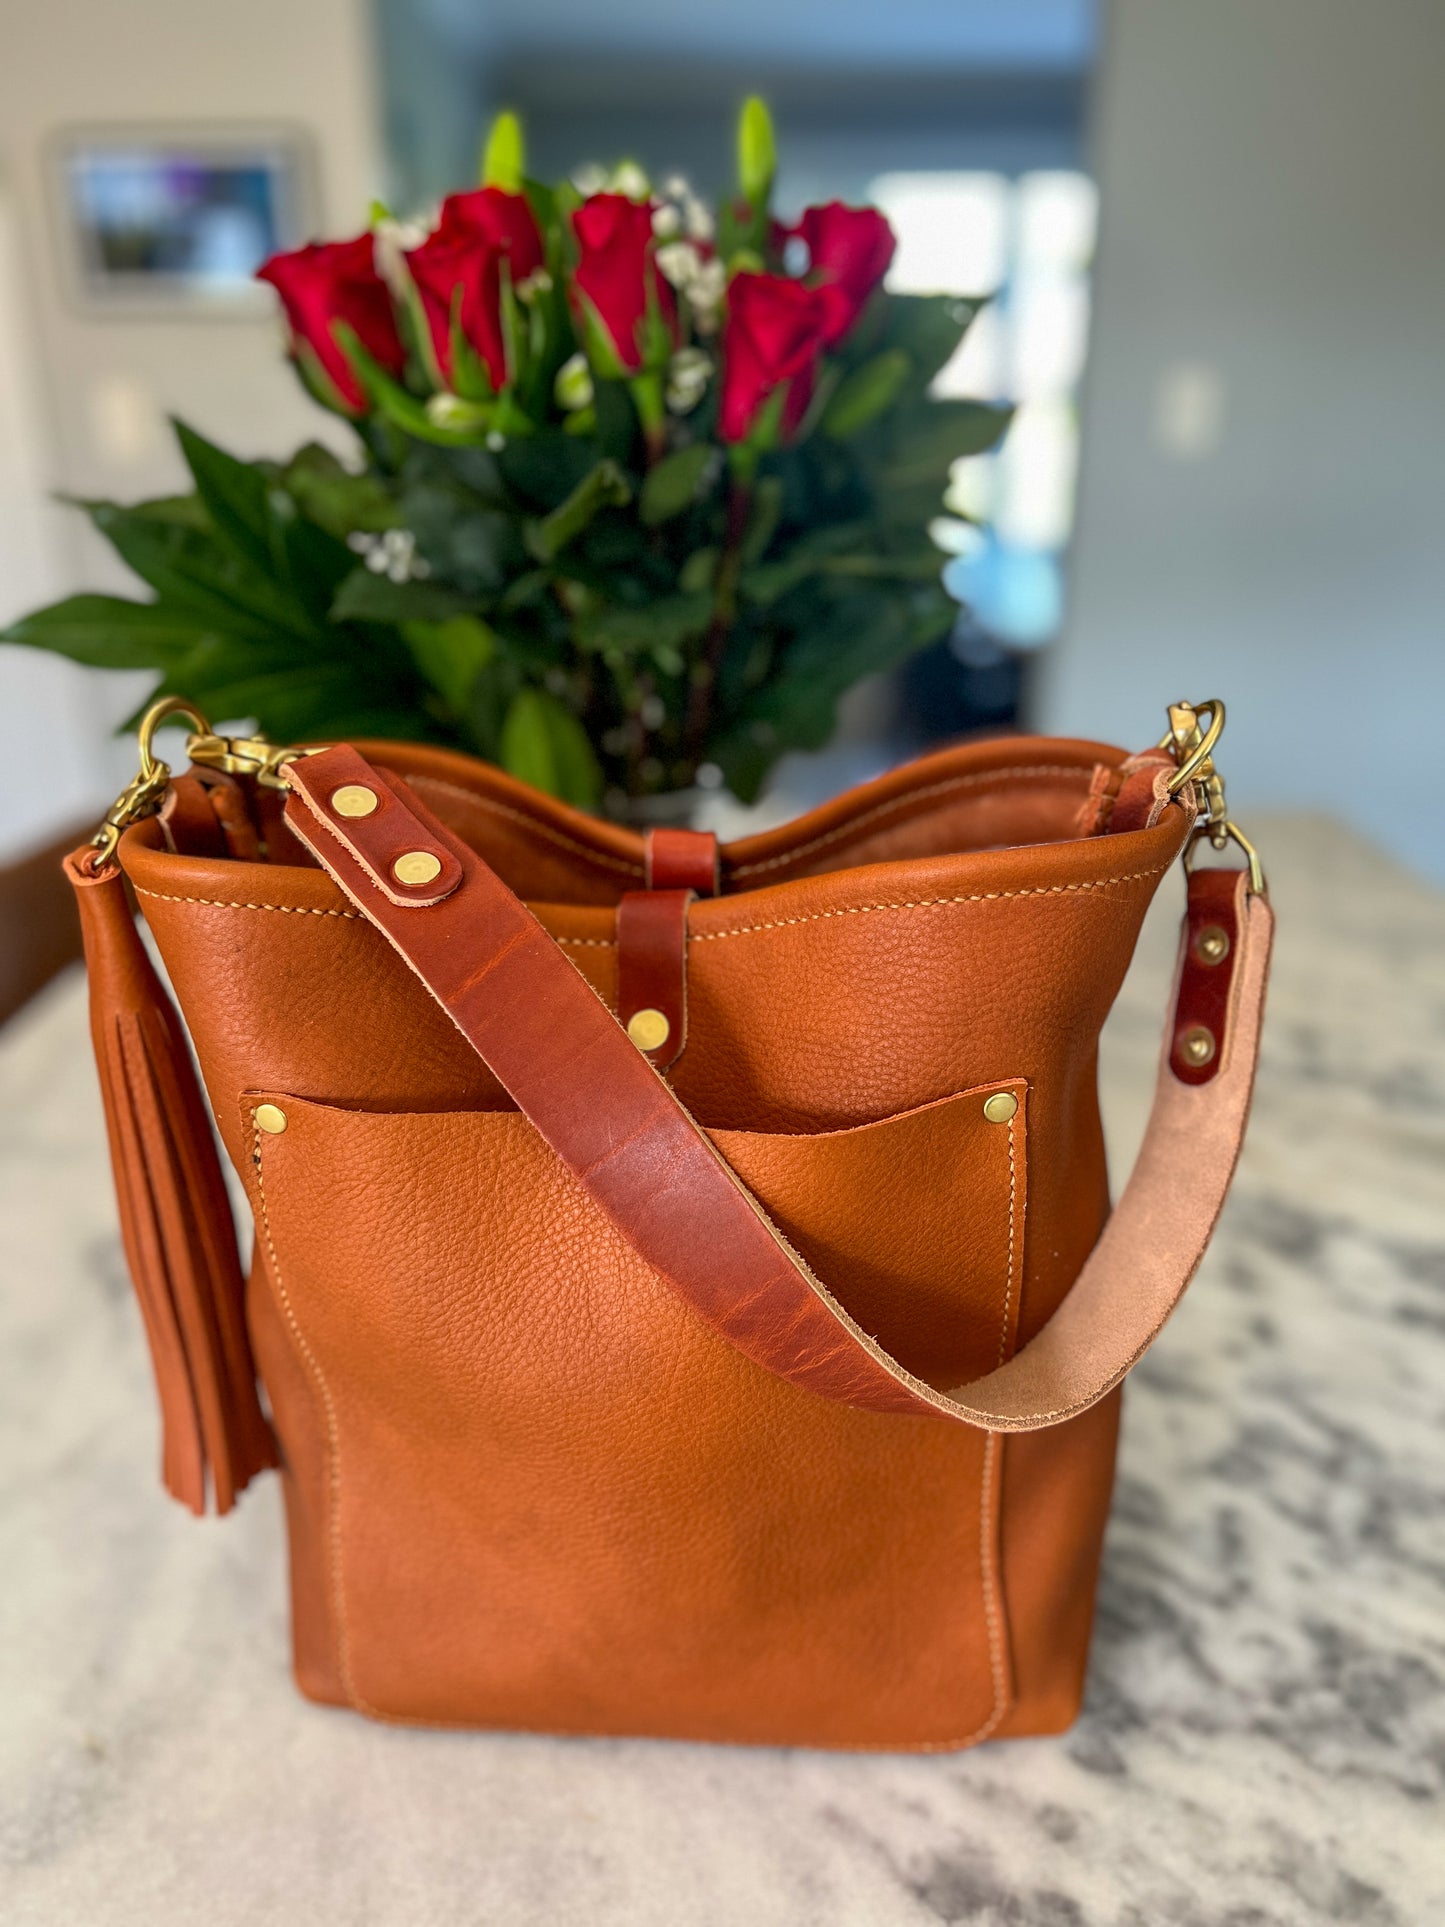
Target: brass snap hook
<point x="145" y="793"/>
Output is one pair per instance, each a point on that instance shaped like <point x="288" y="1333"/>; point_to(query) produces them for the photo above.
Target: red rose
<point x="851" y="247"/>
<point x="476" y="234"/>
<point x="775" y="333"/>
<point x="333" y="281"/>
<point x="616" y="273"/>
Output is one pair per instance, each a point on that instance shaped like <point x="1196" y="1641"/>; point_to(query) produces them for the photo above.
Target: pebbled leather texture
<point x="532" y="1018"/>
<point x="431" y="1285"/>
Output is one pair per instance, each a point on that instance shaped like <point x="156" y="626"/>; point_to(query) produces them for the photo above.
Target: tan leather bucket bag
<point x="684" y="1285"/>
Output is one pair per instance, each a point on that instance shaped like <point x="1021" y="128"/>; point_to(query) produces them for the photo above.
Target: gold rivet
<point x="417" y="866"/>
<point x="648" y="1029"/>
<point x="1211" y="946"/>
<point x="271" y="1119"/>
<point x="354" y="799"/>
<point x="999" y="1108"/>
<point x="1196" y="1045"/>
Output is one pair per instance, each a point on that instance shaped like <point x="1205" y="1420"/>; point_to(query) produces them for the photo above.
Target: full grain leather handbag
<point x="742" y="1365"/>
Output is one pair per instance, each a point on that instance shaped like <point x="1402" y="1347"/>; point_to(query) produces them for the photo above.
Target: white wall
<point x="1270" y="302"/>
<point x="83" y="395"/>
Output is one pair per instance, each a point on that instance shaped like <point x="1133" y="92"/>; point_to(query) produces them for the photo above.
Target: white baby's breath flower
<point x="697" y="219"/>
<point x="590" y="179"/>
<point x="705" y="292"/>
<point x="679" y="262"/>
<point x="533" y="284"/>
<point x="573" y="386"/>
<point x="688" y="373"/>
<point x="676" y="187"/>
<point x="392" y="553"/>
<point x="666" y="221"/>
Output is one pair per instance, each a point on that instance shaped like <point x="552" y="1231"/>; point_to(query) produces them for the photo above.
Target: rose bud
<point x="457" y="272"/>
<point x="775" y="333"/>
<point x="616" y="284"/>
<point x="329" y="282"/>
<point x="851" y="247"/>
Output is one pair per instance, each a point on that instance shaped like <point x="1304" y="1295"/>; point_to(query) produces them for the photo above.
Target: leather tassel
<point x="176" y="1223"/>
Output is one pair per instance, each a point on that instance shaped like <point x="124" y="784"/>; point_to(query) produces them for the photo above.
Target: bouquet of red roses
<point x="641" y="490"/>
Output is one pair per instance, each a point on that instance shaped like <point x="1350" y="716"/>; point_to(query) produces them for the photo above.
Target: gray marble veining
<point x="1264" y="1738"/>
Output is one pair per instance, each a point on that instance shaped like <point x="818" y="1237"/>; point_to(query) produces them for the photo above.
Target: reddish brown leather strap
<point x="618" y="1127"/>
<point x="681" y="860"/>
<point x="652" y="971"/>
<point x="1209" y="957"/>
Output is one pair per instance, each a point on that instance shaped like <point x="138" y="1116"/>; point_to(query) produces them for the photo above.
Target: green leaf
<point x="395" y="403"/>
<point x="928" y="327"/>
<point x="235" y="495"/>
<point x="199" y="574"/>
<point x="451" y="655"/>
<point x="109" y="632"/>
<point x="763" y="519"/>
<point x="367" y="596"/>
<point x="699" y="572"/>
<point x="865" y="394"/>
<point x="544" y="744"/>
<point x="335" y="499"/>
<point x="649" y="626"/>
<point x="676" y="482"/>
<point x="947" y="431"/>
<point x="604" y="486"/>
<point x="807" y="556"/>
<point x="797" y="707"/>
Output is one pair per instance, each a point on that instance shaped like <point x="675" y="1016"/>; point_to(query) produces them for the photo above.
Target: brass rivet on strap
<point x="648" y="1029"/>
<point x="271" y="1119"/>
<point x="354" y="799"/>
<point x="1211" y="946"/>
<point x="1196" y="1046"/>
<point x="417" y="866"/>
<point x="999" y="1108"/>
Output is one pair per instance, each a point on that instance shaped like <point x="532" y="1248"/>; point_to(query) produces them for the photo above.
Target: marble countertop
<point x="1263" y="1742"/>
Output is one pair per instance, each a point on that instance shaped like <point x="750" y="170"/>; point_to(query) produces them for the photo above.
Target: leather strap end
<point x="375" y="823"/>
<point x="682" y="860"/>
<point x="652" y="971"/>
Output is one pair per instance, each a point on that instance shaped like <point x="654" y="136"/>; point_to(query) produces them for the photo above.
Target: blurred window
<point x="1026" y="241"/>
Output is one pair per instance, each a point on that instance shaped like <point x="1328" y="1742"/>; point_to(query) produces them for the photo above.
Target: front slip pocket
<point x="557" y="1500"/>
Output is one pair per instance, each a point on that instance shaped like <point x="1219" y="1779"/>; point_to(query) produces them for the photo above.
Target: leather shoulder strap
<point x="615" y="1123"/>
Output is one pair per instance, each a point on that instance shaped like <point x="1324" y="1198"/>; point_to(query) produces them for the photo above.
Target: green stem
<point x="724" y="616"/>
<point x="647" y="398"/>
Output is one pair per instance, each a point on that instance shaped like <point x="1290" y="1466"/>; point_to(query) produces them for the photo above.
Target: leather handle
<point x="556" y="1048"/>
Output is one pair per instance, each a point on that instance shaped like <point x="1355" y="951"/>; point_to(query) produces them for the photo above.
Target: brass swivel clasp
<point x="1192" y="745"/>
<point x="143" y="796"/>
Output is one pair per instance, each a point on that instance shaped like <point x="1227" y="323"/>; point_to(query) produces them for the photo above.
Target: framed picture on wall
<point x="158" y="219"/>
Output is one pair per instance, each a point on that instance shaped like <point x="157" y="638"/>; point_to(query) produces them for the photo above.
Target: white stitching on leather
<point x="987" y="1514"/>
<point x="854" y="824"/>
<point x="223" y="903"/>
<point x="932" y="903"/>
<point x="333" y="1440"/>
<point x="1008" y="1290"/>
